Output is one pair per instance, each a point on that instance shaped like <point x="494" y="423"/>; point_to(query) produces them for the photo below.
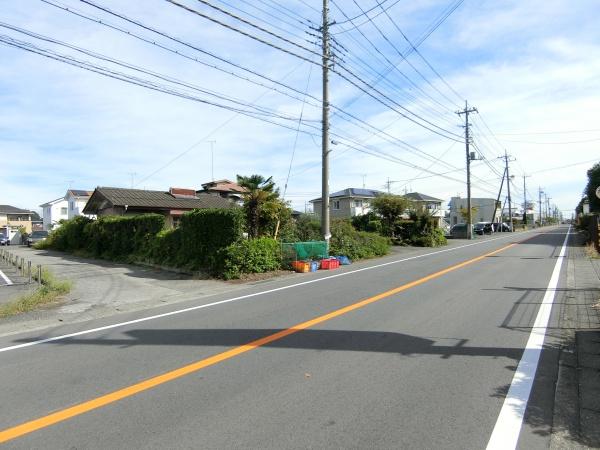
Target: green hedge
<point x="345" y="240"/>
<point x="111" y="237"/>
<point x="206" y="231"/>
<point x="251" y="256"/>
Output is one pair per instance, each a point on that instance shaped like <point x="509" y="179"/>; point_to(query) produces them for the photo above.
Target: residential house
<point x="53" y="212"/>
<point x="429" y="204"/>
<point x="347" y="203"/>
<point x="106" y="201"/>
<point x="76" y="200"/>
<point x="224" y="188"/>
<point x="485" y="210"/>
<point x="13" y="218"/>
<point x="64" y="208"/>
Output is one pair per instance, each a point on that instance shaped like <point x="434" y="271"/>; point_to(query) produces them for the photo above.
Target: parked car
<point x="482" y="228"/>
<point x="459" y="231"/>
<point x="501" y="226"/>
<point x="4" y="240"/>
<point x="35" y="237"/>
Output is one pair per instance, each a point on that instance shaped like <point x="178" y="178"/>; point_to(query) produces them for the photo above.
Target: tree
<point x="390" y="207"/>
<point x="593" y="183"/>
<point x="464" y="212"/>
<point x="260" y="190"/>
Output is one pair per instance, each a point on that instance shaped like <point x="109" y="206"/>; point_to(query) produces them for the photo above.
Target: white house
<point x="485" y="210"/>
<point x="54" y="211"/>
<point x="347" y="203"/>
<point x="64" y="208"/>
<point x="76" y="200"/>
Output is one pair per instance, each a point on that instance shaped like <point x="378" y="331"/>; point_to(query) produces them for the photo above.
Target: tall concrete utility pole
<point x="540" y="192"/>
<point x="325" y="131"/>
<point x="508" y="189"/>
<point x="498" y="201"/>
<point x="466" y="112"/>
<point x="525" y="199"/>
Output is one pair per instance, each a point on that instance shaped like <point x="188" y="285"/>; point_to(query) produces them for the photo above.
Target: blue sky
<point x="531" y="68"/>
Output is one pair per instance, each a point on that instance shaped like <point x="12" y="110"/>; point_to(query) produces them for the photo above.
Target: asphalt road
<point x="425" y="362"/>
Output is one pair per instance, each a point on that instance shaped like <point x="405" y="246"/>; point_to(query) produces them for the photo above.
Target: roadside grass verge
<point x="49" y="291"/>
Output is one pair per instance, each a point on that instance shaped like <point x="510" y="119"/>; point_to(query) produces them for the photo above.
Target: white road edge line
<point x="5" y="278"/>
<point x="510" y="420"/>
<point x="208" y="305"/>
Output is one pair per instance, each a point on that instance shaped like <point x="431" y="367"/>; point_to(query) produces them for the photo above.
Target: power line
<point x="244" y="33"/>
<point x="142" y="70"/>
<point x="365" y="13"/>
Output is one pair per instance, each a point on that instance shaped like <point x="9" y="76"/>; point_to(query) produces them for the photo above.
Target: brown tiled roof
<point x="138" y="198"/>
<point x="224" y="186"/>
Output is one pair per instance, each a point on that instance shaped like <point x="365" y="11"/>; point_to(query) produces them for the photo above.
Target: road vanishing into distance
<point x="438" y="349"/>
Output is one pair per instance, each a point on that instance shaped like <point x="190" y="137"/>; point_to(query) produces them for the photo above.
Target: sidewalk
<point x="577" y="401"/>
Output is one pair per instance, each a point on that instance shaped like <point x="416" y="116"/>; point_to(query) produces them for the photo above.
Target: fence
<point x="23" y="266"/>
<point x="302" y="251"/>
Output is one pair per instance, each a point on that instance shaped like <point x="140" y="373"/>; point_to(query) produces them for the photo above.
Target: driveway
<point x="102" y="288"/>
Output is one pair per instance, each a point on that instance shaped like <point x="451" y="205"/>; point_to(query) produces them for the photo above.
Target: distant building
<point x="14" y="218"/>
<point x="486" y="210"/>
<point x="347" y="203"/>
<point x="109" y="201"/>
<point x="431" y="205"/>
<point x="225" y="189"/>
<point x="76" y="200"/>
<point x="64" y="208"/>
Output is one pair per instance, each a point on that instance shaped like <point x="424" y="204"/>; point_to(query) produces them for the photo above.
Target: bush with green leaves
<point x="206" y="231"/>
<point x="370" y="222"/>
<point x="347" y="241"/>
<point x="249" y="256"/>
<point x="68" y="237"/>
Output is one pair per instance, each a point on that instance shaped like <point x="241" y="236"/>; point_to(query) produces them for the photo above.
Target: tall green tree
<point x="390" y="207"/>
<point x="593" y="183"/>
<point x="260" y="191"/>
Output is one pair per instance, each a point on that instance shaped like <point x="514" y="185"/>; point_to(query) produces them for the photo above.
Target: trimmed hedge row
<point x="345" y="240"/>
<point x="252" y="256"/>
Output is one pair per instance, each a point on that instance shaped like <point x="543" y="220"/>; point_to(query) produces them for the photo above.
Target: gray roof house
<point x="431" y="205"/>
<point x="348" y="202"/>
<point x="172" y="204"/>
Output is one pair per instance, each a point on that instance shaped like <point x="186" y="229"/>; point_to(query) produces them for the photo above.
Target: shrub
<point x="251" y="256"/>
<point x="370" y="222"/>
<point x="206" y="231"/>
<point x="345" y="240"/>
<point x="68" y="237"/>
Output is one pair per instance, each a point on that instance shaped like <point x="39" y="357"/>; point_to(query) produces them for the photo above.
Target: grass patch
<point x="47" y="293"/>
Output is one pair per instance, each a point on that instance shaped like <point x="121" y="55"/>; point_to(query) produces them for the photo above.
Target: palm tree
<point x="260" y="190"/>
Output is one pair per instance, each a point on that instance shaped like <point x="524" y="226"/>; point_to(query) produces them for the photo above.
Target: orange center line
<point x="98" y="402"/>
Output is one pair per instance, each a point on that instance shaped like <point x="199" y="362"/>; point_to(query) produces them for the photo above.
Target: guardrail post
<point x="29" y="271"/>
<point x="39" y="273"/>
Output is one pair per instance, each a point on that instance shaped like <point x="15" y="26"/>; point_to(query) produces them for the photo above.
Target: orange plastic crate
<point x="301" y="266"/>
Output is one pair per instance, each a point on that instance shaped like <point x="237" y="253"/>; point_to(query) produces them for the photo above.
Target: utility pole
<point x="132" y="175"/>
<point x="466" y="112"/>
<point x="548" y="206"/>
<point x="540" y="192"/>
<point x="508" y="188"/>
<point x="525" y="199"/>
<point x="498" y="200"/>
<point x="212" y="159"/>
<point x="325" y="131"/>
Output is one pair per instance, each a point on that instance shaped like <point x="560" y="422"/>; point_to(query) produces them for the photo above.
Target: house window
<point x="358" y="203"/>
<point x="72" y="205"/>
<point x="64" y="211"/>
<point x="336" y="204"/>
